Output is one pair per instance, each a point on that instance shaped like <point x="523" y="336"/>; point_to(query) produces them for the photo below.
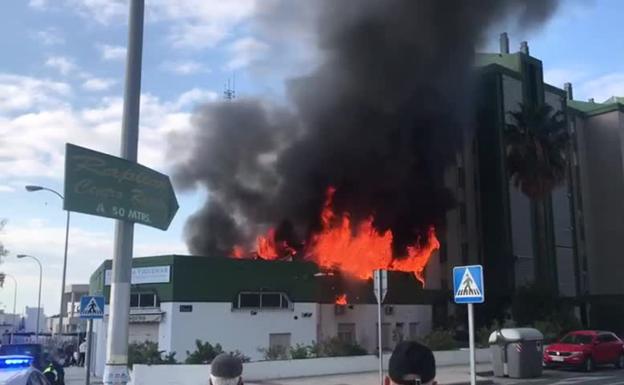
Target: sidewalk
<point x="76" y="376"/>
<point x="448" y="375"/>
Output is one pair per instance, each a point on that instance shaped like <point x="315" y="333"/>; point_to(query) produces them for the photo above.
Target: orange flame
<point x="265" y="246"/>
<point x="341" y="299"/>
<point x="238" y="252"/>
<point x="359" y="253"/>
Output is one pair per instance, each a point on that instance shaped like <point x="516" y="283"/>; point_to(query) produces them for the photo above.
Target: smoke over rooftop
<point x="378" y="119"/>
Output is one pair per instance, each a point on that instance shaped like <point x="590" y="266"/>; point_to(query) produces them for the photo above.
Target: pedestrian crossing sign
<point x="91" y="307"/>
<point x="468" y="284"/>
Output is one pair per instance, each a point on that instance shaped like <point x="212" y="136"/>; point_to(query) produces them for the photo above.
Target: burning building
<point x="252" y="305"/>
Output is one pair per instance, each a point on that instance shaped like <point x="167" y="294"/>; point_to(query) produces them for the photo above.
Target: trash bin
<point x="517" y="353"/>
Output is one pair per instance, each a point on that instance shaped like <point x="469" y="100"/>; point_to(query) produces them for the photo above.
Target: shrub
<point x="147" y="353"/>
<point x="440" y="339"/>
<point x="204" y="353"/>
<point x="301" y="351"/>
<point x="482" y="336"/>
<point x="274" y="353"/>
<point x="335" y="347"/>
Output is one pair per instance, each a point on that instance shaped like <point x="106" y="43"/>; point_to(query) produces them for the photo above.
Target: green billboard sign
<point x="108" y="186"/>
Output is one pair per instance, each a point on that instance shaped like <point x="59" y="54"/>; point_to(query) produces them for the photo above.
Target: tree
<point x="147" y="353"/>
<point x="536" y="146"/>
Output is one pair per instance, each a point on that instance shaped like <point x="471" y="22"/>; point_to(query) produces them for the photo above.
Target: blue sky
<point x="61" y="80"/>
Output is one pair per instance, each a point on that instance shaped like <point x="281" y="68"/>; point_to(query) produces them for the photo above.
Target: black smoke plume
<point x="379" y="119"/>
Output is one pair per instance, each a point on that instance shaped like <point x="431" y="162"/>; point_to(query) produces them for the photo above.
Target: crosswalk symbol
<point x="91" y="307"/>
<point x="468" y="284"/>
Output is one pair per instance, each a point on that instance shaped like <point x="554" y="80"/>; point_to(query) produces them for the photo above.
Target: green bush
<point x="274" y="353"/>
<point x="301" y="351"/>
<point x="204" y="353"/>
<point x="482" y="336"/>
<point x="147" y="353"/>
<point x="335" y="347"/>
<point x="440" y="339"/>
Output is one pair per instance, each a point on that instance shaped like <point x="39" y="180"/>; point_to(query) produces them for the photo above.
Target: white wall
<point x="273" y="370"/>
<point x="365" y="319"/>
<point x="232" y="328"/>
<point x="30" y="322"/>
<point x="141" y="332"/>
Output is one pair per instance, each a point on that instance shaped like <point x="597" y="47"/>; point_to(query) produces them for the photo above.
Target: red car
<point x="586" y="349"/>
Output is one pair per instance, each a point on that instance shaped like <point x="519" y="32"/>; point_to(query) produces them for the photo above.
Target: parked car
<point x="586" y="349"/>
<point x="18" y="370"/>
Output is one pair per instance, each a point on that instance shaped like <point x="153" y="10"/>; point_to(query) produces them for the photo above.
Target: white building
<point x="250" y="305"/>
<point x="30" y="320"/>
<point x="71" y="308"/>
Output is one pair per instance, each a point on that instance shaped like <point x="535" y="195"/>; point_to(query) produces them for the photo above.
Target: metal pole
<point x="116" y="370"/>
<point x="38" y="298"/>
<point x="471" y="337"/>
<point x="88" y="358"/>
<point x="380" y="349"/>
<point x="60" y="329"/>
<point x="14" y="307"/>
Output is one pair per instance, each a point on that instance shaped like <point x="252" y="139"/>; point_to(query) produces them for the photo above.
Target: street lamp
<point x="31" y="188"/>
<point x="14" y="300"/>
<point x="39" y="296"/>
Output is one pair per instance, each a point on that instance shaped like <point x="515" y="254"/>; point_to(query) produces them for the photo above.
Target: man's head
<point x="226" y="370"/>
<point x="411" y="364"/>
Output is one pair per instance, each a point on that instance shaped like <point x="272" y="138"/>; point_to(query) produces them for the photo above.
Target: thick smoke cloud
<point x="379" y="119"/>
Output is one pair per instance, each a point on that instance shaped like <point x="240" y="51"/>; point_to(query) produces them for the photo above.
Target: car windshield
<point x="576" y="339"/>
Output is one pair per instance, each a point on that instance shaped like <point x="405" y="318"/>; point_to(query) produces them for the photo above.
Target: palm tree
<point x="536" y="146"/>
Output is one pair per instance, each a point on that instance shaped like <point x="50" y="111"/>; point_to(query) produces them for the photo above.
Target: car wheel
<point x="589" y="365"/>
<point x="620" y="362"/>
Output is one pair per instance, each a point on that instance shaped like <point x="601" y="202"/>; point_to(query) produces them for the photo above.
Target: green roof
<point x="509" y="61"/>
<point x="592" y="108"/>
<point x="218" y="279"/>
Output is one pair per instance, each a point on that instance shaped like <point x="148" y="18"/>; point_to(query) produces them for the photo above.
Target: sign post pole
<point x="471" y="336"/>
<point x="380" y="280"/>
<point x="116" y="369"/>
<point x="88" y="358"/>
<point x="379" y="334"/>
<point x="468" y="288"/>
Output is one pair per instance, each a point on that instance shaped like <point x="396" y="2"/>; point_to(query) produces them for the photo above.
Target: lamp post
<point x="14" y="303"/>
<point x="39" y="296"/>
<point x="31" y="188"/>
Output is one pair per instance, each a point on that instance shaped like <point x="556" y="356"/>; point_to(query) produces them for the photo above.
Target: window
<point x="262" y="300"/>
<point x="385" y="335"/>
<point x="186" y="308"/>
<point x="413" y="330"/>
<point x="462" y="213"/>
<point x="279" y="343"/>
<point x="464" y="253"/>
<point x="143" y="300"/>
<point x="398" y="335"/>
<point x="346" y="332"/>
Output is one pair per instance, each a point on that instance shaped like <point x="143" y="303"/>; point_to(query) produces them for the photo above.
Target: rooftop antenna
<point x="229" y="91"/>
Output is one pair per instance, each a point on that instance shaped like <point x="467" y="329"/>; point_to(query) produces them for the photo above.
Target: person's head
<point x="411" y="364"/>
<point x="226" y="369"/>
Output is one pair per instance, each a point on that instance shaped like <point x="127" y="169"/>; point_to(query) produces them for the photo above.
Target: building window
<point x="398" y="334"/>
<point x="279" y="344"/>
<point x="385" y="335"/>
<point x="186" y="308"/>
<point x="143" y="300"/>
<point x="261" y="300"/>
<point x="464" y="253"/>
<point x="414" y="330"/>
<point x="346" y="332"/>
<point x="462" y="213"/>
<point x="461" y="177"/>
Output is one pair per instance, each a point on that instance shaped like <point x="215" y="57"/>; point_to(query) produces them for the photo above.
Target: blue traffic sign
<point x="468" y="284"/>
<point x="91" y="307"/>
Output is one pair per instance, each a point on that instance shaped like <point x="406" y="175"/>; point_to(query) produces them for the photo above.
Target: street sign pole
<point x="381" y="379"/>
<point x="469" y="288"/>
<point x="116" y="370"/>
<point x="471" y="336"/>
<point x="88" y="358"/>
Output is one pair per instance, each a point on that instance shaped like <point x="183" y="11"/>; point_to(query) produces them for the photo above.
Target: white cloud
<point x="87" y="250"/>
<point x="32" y="143"/>
<point x="187" y="67"/>
<point x="245" y="51"/>
<point x="602" y="87"/>
<point x="98" y="84"/>
<point x="62" y="64"/>
<point x="5" y="188"/>
<point x="112" y="52"/>
<point x="38" y="4"/>
<point x="48" y="36"/>
<point x="558" y="76"/>
<point x="102" y="11"/>
<point x="19" y="93"/>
